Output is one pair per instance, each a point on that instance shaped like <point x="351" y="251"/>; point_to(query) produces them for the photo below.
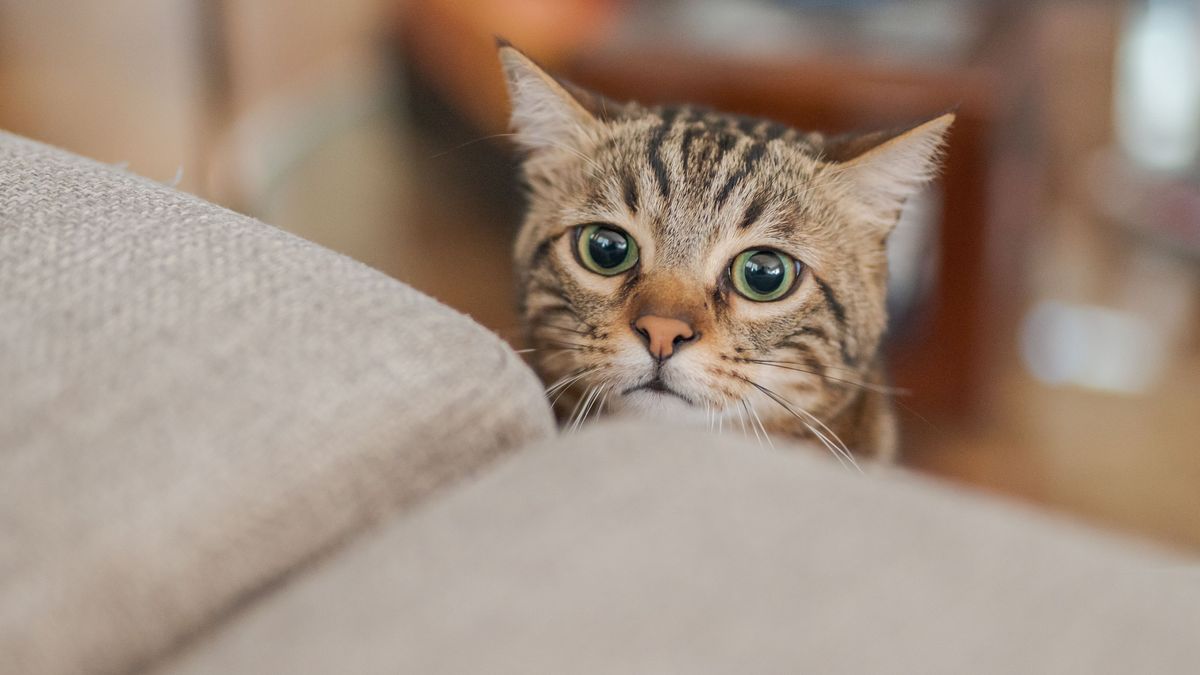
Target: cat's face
<point x="680" y="262"/>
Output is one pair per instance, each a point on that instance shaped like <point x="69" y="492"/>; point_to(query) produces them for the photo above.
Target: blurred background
<point x="1046" y="290"/>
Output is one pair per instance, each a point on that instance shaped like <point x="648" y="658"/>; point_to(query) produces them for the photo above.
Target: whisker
<point x="473" y="141"/>
<point x="569" y="379"/>
<point x="789" y="365"/>
<point x="603" y="402"/>
<point x="893" y="392"/>
<point x="824" y="441"/>
<point x="558" y="353"/>
<point x="839" y="449"/>
<point x="746" y="408"/>
<point x="562" y="381"/>
<point x="742" y="420"/>
<point x="578" y="407"/>
<point x="547" y="354"/>
<point x="568" y="345"/>
<point x="598" y="409"/>
<point x="594" y="164"/>
<point x="568" y="385"/>
<point x="543" y="139"/>
<point x="562" y="389"/>
<point x="588" y="400"/>
<point x="562" y="328"/>
<point x="593" y="394"/>
<point x="754" y="412"/>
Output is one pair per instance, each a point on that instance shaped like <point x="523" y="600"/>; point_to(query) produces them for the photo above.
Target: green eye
<point x="604" y="249"/>
<point x="763" y="275"/>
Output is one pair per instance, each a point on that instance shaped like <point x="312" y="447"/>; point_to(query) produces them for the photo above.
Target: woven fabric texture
<point x="193" y="404"/>
<point x="644" y="549"/>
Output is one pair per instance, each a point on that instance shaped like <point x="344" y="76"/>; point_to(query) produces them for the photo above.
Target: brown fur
<point x="695" y="188"/>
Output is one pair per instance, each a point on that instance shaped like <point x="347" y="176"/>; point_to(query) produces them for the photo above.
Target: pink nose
<point x="662" y="334"/>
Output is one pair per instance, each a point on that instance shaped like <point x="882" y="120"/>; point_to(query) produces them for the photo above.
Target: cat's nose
<point x="662" y="335"/>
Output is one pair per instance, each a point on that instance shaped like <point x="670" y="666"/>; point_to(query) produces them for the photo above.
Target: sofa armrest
<point x="194" y="403"/>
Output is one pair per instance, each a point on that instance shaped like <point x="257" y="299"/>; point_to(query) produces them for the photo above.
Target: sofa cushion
<point x="643" y="549"/>
<point x="193" y="403"/>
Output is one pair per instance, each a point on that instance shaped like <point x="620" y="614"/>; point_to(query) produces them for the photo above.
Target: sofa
<point x="224" y="449"/>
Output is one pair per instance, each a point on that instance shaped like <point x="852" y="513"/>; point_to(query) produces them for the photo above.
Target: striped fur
<point x="696" y="187"/>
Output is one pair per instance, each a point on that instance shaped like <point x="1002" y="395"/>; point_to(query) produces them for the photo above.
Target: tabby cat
<point x="681" y="263"/>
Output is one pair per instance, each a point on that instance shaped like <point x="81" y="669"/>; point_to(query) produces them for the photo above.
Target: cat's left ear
<point x="544" y="114"/>
<point x="877" y="173"/>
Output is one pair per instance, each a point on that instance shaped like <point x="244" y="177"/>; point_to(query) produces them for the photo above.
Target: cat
<point x="677" y="262"/>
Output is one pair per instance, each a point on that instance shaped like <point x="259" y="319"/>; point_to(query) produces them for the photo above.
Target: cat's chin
<point x="646" y="404"/>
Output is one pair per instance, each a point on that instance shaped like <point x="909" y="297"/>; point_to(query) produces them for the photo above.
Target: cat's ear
<point x="544" y="113"/>
<point x="878" y="172"/>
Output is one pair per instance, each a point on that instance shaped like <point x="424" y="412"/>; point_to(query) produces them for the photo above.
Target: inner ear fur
<point x="546" y="111"/>
<point x="879" y="171"/>
<point x="845" y="147"/>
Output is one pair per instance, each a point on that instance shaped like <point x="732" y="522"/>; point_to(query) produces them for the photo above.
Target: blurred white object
<point x="1092" y="347"/>
<point x="1158" y="84"/>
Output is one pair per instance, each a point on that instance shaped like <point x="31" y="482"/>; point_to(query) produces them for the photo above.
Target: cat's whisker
<point x="568" y="345"/>
<point x="599" y="407"/>
<point x="546" y="354"/>
<point x="790" y="365"/>
<point x="562" y="146"/>
<point x="567" y="379"/>
<point x="742" y="420"/>
<point x="525" y="134"/>
<point x="839" y="449"/>
<point x="570" y="425"/>
<point x="471" y="142"/>
<point x="567" y="382"/>
<point x="894" y="392"/>
<point x="587" y="405"/>
<point x="562" y="328"/>
<point x="754" y="428"/>
<point x="603" y="403"/>
<point x="556" y="353"/>
<point x="570" y="420"/>
<point x="588" y="401"/>
<point x="827" y="443"/>
<point x="566" y="387"/>
<point x="754" y="412"/>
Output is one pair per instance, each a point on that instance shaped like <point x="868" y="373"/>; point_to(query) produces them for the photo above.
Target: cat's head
<point x="681" y="261"/>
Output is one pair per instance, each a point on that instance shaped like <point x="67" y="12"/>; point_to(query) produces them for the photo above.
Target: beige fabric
<point x="194" y="403"/>
<point x="637" y="549"/>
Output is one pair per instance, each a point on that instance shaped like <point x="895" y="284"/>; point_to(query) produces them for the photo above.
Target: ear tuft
<point x="544" y="114"/>
<point x="880" y="179"/>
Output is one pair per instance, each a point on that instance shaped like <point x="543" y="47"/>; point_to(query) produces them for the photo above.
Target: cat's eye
<point x="763" y="275"/>
<point x="605" y="249"/>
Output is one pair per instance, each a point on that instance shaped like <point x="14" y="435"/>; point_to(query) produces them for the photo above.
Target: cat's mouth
<point x="657" y="386"/>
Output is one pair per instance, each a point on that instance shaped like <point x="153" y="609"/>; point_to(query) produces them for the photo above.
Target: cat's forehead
<point x="692" y="175"/>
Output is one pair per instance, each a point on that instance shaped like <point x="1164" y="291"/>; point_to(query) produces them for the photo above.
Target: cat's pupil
<point x="608" y="247"/>
<point x="764" y="272"/>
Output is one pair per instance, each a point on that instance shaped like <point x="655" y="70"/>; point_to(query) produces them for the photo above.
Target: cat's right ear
<point x="544" y="114"/>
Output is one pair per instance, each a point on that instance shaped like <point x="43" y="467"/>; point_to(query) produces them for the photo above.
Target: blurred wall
<point x="120" y="81"/>
<point x="166" y="86"/>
